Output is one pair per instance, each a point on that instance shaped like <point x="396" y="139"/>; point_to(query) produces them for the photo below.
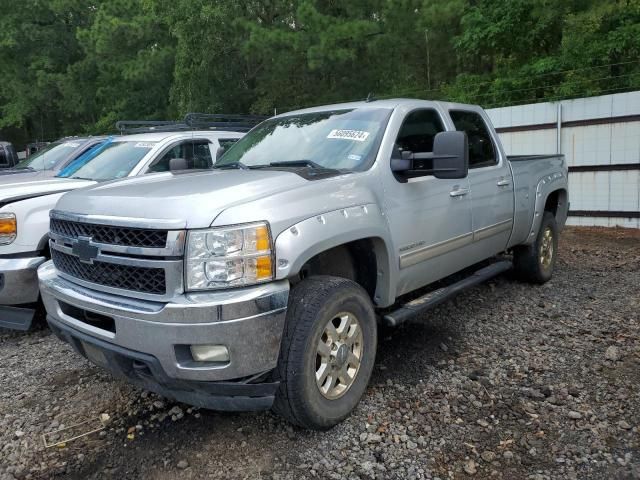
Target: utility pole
<point x="426" y="38"/>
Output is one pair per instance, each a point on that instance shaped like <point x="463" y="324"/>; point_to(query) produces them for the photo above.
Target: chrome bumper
<point x="19" y="280"/>
<point x="248" y="321"/>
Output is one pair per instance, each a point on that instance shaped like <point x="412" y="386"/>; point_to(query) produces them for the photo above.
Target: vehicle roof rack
<point x="215" y="121"/>
<point x="192" y="121"/>
<point x="146" y="126"/>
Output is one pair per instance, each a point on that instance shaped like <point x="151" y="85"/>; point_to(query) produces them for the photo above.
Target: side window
<point x="4" y="160"/>
<point x="196" y="153"/>
<point x="417" y="134"/>
<point x="482" y="152"/>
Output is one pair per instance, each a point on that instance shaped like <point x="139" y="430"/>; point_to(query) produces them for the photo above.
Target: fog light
<point x="210" y="353"/>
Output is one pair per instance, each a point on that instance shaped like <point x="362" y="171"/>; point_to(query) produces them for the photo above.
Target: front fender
<point x="297" y="244"/>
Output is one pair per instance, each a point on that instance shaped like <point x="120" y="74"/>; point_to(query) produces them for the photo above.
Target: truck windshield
<point x="49" y="157"/>
<point x="116" y="160"/>
<point x="340" y="139"/>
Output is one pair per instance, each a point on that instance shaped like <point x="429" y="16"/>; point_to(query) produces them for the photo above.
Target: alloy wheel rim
<point x="338" y="355"/>
<point x="546" y="248"/>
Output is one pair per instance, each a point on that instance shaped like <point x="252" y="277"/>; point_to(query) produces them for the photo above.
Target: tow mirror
<point x="177" y="164"/>
<point x="449" y="159"/>
<point x="451" y="155"/>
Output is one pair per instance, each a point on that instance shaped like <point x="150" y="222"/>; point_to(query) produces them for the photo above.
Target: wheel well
<point x="354" y="260"/>
<point x="556" y="201"/>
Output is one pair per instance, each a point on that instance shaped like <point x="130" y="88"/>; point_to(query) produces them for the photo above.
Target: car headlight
<point x="8" y="228"/>
<point x="229" y="257"/>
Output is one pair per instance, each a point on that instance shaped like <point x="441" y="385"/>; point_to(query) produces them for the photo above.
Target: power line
<point x="418" y="90"/>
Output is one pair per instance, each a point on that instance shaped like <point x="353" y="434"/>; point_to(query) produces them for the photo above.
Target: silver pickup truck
<point x="262" y="284"/>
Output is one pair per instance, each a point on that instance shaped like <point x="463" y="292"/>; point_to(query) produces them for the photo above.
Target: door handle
<point x="503" y="182"/>
<point x="459" y="192"/>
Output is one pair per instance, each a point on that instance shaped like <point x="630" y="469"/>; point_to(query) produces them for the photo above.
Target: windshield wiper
<point x="239" y="165"/>
<point x="80" y="178"/>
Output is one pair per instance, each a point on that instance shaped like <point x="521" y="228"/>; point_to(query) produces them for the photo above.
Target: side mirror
<point x="219" y="152"/>
<point x="451" y="155"/>
<point x="177" y="164"/>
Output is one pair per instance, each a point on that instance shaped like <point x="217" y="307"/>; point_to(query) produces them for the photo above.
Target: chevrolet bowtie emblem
<point x="84" y="250"/>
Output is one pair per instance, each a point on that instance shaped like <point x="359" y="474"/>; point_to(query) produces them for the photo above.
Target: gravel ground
<point x="507" y="381"/>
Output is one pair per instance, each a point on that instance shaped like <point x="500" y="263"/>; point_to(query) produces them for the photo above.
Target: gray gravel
<point x="507" y="381"/>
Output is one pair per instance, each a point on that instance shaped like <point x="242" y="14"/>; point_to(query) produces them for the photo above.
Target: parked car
<point x="259" y="284"/>
<point x="25" y="203"/>
<point x="49" y="160"/>
<point x="8" y="156"/>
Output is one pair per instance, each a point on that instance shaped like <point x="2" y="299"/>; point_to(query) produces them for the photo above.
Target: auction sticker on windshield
<point x="70" y="145"/>
<point x="144" y="145"/>
<point x="357" y="135"/>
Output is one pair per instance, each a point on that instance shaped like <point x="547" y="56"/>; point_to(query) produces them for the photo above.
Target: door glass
<point x="196" y="153"/>
<point x="4" y="161"/>
<point x="481" y="150"/>
<point x="417" y="133"/>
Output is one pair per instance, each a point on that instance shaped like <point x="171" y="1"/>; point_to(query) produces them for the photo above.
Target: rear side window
<point x="4" y="159"/>
<point x="196" y="153"/>
<point x="482" y="152"/>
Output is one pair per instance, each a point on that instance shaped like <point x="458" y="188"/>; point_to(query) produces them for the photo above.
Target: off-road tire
<point x="527" y="258"/>
<point x="312" y="303"/>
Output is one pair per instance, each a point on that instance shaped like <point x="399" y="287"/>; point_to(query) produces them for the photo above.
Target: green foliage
<point x="75" y="66"/>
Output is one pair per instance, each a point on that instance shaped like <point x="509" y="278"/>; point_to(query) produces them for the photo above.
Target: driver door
<point x="429" y="218"/>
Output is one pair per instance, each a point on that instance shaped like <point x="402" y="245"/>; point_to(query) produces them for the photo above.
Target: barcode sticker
<point x="144" y="145"/>
<point x="357" y="135"/>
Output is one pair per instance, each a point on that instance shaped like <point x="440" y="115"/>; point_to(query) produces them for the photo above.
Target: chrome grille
<point x="112" y="235"/>
<point x="138" y="279"/>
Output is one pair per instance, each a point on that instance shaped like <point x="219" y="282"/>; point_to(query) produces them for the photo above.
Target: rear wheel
<point x="535" y="262"/>
<point x="328" y="352"/>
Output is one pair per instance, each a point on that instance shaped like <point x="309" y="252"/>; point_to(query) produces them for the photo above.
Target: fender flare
<point x="545" y="187"/>
<point x="297" y="244"/>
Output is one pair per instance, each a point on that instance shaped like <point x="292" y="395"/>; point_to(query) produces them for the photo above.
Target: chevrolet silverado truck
<point x="261" y="284"/>
<point x="25" y="203"/>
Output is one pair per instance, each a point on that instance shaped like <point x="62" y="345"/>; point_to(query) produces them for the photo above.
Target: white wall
<point x="602" y="144"/>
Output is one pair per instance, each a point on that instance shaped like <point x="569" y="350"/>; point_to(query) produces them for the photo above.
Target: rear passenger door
<point x="490" y="182"/>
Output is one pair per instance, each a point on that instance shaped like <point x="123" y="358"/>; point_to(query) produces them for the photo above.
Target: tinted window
<point x="196" y="153"/>
<point x="481" y="150"/>
<point x="418" y="131"/>
<point x="4" y="160"/>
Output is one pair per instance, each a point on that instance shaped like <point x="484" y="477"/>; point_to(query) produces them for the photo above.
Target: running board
<point x="428" y="301"/>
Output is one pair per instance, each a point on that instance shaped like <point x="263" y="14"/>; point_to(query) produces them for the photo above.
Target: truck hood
<point x="16" y="191"/>
<point x="18" y="176"/>
<point x="192" y="199"/>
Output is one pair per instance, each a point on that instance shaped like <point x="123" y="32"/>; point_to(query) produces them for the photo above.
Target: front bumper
<point x="18" y="288"/>
<point x="19" y="280"/>
<point x="148" y="342"/>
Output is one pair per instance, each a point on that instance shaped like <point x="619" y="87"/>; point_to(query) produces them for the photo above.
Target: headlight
<point x="8" y="228"/>
<point x="228" y="257"/>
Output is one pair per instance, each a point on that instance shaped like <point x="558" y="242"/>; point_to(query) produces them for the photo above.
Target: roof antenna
<point x="370" y="98"/>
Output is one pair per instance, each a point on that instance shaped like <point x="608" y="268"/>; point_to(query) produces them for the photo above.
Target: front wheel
<point x="327" y="354"/>
<point x="535" y="263"/>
